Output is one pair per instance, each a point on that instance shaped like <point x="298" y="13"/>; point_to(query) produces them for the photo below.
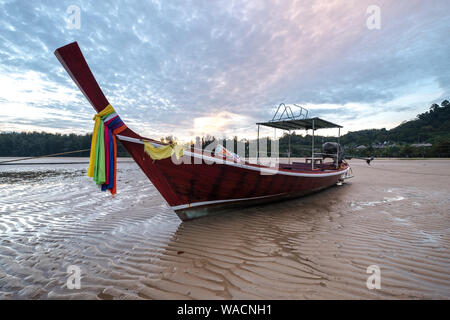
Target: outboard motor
<point x="334" y="151"/>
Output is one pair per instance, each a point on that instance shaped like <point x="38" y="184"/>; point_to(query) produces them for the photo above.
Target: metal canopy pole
<point x="271" y="144"/>
<point x="257" y="148"/>
<point x="339" y="148"/>
<point x="312" y="158"/>
<point x="339" y="134"/>
<point x="289" y="150"/>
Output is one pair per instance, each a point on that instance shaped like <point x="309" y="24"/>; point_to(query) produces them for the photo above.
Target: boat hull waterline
<point x="196" y="188"/>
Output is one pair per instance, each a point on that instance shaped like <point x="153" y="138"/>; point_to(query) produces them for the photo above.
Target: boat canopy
<point x="295" y="117"/>
<point x="297" y="124"/>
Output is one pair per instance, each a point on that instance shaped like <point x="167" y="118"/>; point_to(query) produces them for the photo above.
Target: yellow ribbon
<point x="109" y="109"/>
<point x="163" y="152"/>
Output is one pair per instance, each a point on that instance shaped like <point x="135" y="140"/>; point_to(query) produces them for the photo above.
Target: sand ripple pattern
<point x="134" y="247"/>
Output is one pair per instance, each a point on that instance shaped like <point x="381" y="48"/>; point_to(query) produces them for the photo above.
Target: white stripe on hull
<point x="204" y="203"/>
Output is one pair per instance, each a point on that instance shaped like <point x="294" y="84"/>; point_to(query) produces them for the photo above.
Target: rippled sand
<point x="394" y="214"/>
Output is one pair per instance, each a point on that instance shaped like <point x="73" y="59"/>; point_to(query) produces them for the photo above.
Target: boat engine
<point x="334" y="151"/>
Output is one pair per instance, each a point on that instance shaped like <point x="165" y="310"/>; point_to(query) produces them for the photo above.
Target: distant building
<point x="420" y="145"/>
<point x="383" y="145"/>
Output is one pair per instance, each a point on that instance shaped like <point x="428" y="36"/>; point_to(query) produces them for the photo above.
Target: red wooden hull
<point x="196" y="189"/>
<point x="193" y="189"/>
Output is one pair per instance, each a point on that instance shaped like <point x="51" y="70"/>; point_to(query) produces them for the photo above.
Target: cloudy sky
<point x="194" y="67"/>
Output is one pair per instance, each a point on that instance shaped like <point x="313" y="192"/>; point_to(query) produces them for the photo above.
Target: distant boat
<point x="196" y="190"/>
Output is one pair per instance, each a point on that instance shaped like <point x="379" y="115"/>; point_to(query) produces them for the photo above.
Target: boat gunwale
<point x="251" y="166"/>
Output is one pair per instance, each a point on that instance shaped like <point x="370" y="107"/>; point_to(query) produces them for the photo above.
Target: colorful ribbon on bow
<point x="103" y="158"/>
<point x="163" y="152"/>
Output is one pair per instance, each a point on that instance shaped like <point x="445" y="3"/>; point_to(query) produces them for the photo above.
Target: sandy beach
<point x="394" y="214"/>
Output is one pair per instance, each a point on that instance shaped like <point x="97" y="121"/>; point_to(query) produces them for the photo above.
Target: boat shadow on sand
<point x="278" y="222"/>
<point x="240" y="254"/>
<point x="308" y="206"/>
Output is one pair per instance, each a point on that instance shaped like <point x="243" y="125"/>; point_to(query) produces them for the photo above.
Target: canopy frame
<point x="289" y="121"/>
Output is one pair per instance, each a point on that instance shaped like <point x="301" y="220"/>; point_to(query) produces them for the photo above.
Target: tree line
<point x="27" y="144"/>
<point x="432" y="126"/>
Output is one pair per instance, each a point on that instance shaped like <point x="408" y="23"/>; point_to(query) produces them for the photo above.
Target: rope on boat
<point x="44" y="156"/>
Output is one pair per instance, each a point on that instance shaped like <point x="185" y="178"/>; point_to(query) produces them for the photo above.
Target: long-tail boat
<point x="210" y="183"/>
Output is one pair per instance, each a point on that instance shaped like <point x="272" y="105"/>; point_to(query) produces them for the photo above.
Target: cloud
<point x="216" y="124"/>
<point x="184" y="68"/>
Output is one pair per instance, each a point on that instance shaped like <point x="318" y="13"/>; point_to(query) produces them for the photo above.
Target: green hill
<point x="432" y="126"/>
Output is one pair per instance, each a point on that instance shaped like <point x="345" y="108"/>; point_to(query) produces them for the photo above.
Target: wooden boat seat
<point x="316" y="160"/>
<point x="302" y="166"/>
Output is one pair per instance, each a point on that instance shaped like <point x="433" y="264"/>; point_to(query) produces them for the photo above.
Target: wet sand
<point x="394" y="214"/>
